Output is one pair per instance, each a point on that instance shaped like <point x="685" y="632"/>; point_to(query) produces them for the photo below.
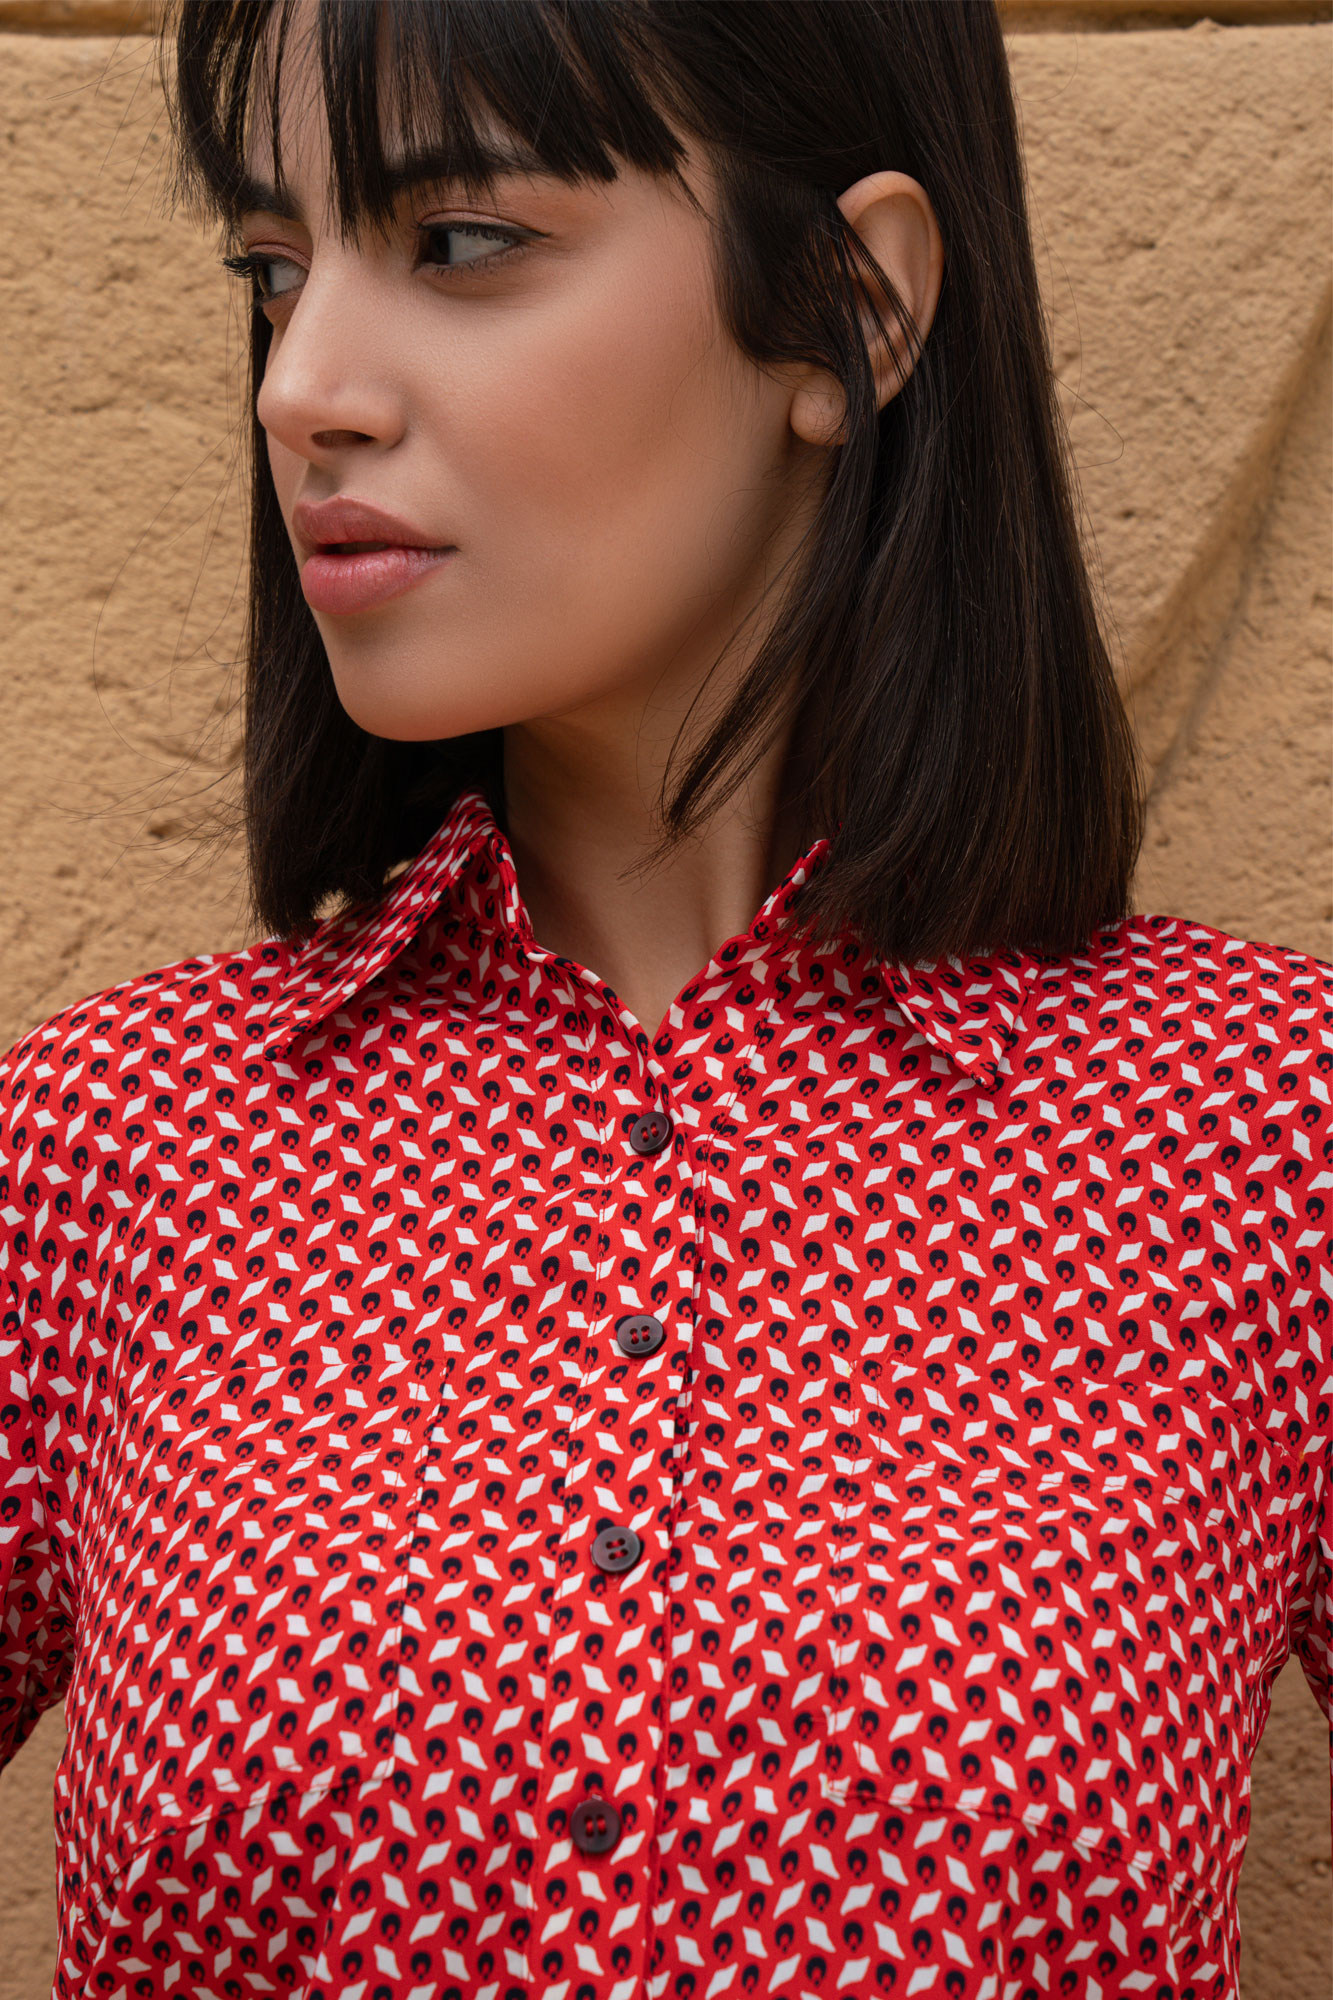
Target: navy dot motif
<point x="809" y="1505"/>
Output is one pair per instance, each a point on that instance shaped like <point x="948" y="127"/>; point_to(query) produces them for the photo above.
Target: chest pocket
<point x="239" y="1553"/>
<point x="1047" y="1601"/>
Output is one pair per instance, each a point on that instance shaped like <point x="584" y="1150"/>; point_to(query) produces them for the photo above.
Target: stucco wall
<point x="1181" y="180"/>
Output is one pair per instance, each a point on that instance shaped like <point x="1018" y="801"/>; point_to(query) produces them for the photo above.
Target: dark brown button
<point x="650" y="1133"/>
<point x="639" y="1335"/>
<point x="616" y="1549"/>
<point x="594" y="1826"/>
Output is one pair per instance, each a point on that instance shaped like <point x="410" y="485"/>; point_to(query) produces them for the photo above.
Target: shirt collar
<point x="970" y="1011"/>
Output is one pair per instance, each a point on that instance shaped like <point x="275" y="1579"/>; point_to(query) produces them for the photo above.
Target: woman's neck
<point x="579" y="807"/>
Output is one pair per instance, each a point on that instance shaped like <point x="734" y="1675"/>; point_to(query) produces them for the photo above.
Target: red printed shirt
<point x="812" y="1504"/>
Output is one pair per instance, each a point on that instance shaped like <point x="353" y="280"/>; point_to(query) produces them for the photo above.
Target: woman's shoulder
<point x="195" y="1008"/>
<point x="1160" y="966"/>
<point x="1225" y="1041"/>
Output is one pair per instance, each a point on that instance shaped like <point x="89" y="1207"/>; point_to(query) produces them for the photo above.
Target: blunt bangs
<point x="936" y="653"/>
<point x="476" y="95"/>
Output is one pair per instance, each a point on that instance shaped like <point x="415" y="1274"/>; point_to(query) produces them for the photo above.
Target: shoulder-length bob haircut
<point x="962" y="741"/>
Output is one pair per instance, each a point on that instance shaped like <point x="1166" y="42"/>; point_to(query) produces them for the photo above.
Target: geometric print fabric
<point x="978" y="1459"/>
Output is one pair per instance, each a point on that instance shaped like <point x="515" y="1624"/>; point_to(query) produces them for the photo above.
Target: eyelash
<point x="253" y="263"/>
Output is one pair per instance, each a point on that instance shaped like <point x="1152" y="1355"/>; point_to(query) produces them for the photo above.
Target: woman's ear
<point x="893" y="216"/>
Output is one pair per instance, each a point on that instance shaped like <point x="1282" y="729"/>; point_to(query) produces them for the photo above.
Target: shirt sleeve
<point x="36" y="1625"/>
<point x="1312" y="1629"/>
<point x="1311" y="1626"/>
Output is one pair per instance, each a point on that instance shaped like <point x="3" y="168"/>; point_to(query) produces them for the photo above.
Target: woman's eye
<point x="461" y="243"/>
<point x="266" y="273"/>
<point x="449" y="246"/>
<point x="283" y="275"/>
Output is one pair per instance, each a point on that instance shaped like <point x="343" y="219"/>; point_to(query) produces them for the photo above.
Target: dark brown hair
<point x="962" y="739"/>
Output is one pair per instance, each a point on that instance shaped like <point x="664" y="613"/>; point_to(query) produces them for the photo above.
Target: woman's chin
<point x="399" y="718"/>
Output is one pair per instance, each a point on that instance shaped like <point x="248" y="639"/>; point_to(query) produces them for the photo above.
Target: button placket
<point x="607" y="1658"/>
<point x="713" y="1153"/>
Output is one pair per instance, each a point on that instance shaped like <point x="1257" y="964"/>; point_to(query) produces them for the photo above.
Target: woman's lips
<point x="336" y="582"/>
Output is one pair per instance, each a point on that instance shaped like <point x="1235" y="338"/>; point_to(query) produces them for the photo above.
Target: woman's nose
<point x="326" y="384"/>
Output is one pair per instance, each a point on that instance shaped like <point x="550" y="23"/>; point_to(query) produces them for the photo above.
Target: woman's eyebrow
<point x="490" y="157"/>
<point x="250" y="195"/>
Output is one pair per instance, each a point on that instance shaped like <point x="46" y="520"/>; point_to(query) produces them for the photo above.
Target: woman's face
<point x="539" y="382"/>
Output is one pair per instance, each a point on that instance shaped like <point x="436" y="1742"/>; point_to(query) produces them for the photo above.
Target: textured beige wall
<point x="1181" y="182"/>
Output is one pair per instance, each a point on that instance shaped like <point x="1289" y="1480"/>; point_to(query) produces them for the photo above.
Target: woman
<point x="708" y="1371"/>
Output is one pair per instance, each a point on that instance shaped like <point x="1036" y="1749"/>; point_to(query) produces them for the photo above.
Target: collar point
<point x="273" y="1042"/>
<point x="979" y="1066"/>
